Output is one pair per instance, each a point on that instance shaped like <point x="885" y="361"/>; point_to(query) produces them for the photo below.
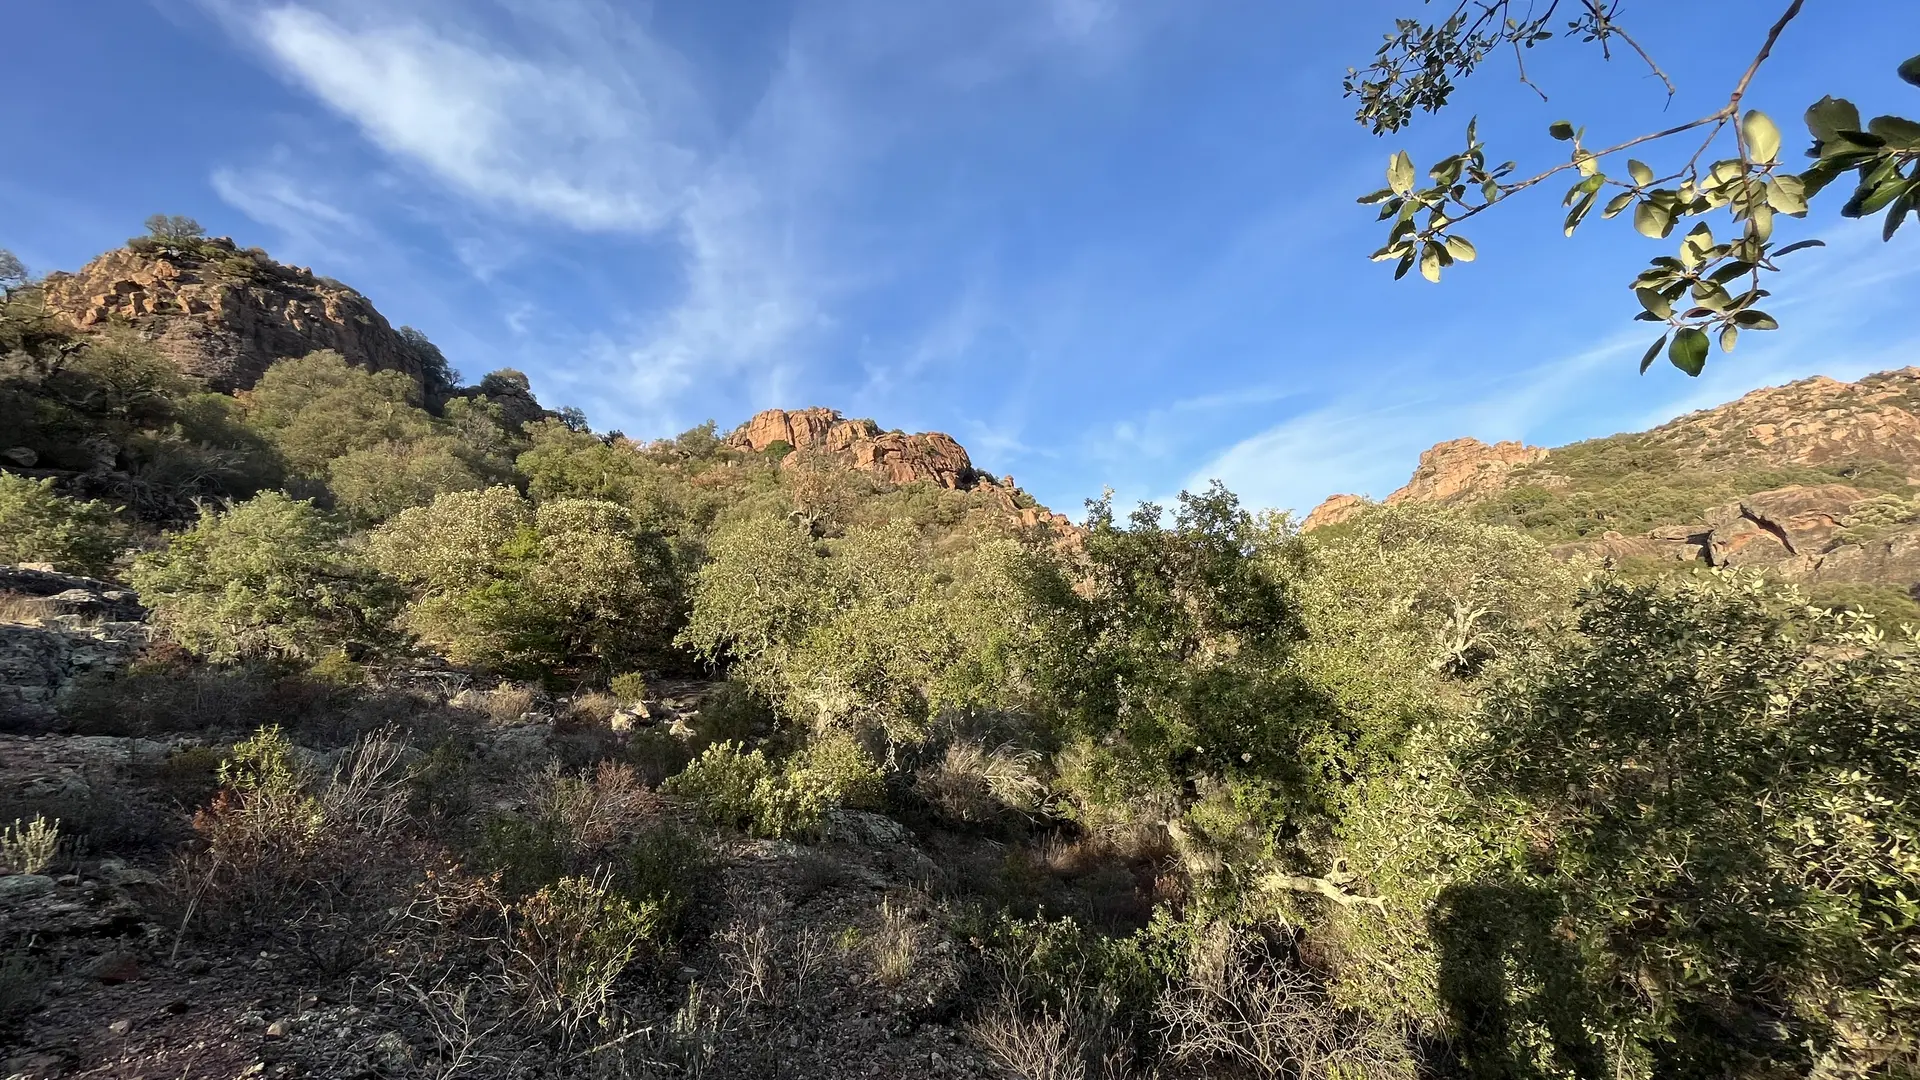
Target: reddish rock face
<point x="890" y="456"/>
<point x="1336" y="509"/>
<point x="222" y="314"/>
<point x="1463" y="470"/>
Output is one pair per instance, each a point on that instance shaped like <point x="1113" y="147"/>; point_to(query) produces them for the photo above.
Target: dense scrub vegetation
<point x="1631" y="483"/>
<point x="1406" y="797"/>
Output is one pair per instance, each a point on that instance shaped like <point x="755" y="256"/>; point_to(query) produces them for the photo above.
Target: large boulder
<point x="1771" y="528"/>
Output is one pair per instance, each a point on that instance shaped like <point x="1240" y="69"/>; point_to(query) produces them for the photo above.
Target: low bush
<point x="671" y="868"/>
<point x="572" y="940"/>
<point x="741" y="789"/>
<point x="317" y="861"/>
<point x="629" y="687"/>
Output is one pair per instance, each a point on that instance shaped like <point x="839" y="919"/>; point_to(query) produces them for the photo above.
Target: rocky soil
<point x="830" y="959"/>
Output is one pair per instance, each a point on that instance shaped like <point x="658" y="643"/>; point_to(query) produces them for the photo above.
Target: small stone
<point x="277" y="1030"/>
<point x="24" y="886"/>
<point x="120" y="1027"/>
<point x="176" y="1006"/>
<point x="115" y="968"/>
<point x="687" y="974"/>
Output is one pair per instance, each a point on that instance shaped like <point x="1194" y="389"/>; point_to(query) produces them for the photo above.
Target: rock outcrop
<point x="224" y="314"/>
<point x="891" y="456"/>
<point x="56" y="630"/>
<point x="1334" y="510"/>
<point x="1456" y="471"/>
<point x="1464" y="470"/>
<point x="1817" y="421"/>
<point x="1819" y="431"/>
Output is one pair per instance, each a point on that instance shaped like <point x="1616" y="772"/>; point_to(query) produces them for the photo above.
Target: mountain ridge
<point x="1813" y="480"/>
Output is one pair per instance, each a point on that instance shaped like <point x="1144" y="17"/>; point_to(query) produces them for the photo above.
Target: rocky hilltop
<point x="223" y="314"/>
<point x="891" y="457"/>
<point x="1813" y="480"/>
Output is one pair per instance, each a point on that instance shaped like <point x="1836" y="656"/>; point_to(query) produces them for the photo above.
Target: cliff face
<point x="1460" y="470"/>
<point x="889" y="456"/>
<point x="222" y="314"/>
<point x="1849" y="510"/>
<point x="894" y="457"/>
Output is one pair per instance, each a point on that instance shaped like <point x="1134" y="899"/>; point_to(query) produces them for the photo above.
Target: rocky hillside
<point x="892" y="457"/>
<point x="1812" y="480"/>
<point x="224" y="313"/>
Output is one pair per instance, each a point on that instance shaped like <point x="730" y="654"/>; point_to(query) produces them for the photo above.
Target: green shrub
<point x="528" y="853"/>
<point x="501" y="583"/>
<point x="38" y="525"/>
<point x="670" y="868"/>
<point x="630" y="687"/>
<point x="268" y="577"/>
<point x="724" y="781"/>
<point x="573" y="940"/>
<point x="835" y="770"/>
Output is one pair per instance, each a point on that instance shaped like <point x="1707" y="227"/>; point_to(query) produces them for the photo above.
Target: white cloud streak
<point x="569" y="143"/>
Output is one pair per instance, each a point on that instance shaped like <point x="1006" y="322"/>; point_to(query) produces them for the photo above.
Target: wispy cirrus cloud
<point x="594" y="149"/>
<point x="577" y="113"/>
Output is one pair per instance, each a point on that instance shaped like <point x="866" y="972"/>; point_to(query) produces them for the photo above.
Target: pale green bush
<point x="38" y="525"/>
<point x="269" y="577"/>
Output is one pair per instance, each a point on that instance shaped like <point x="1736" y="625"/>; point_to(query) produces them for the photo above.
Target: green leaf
<point x="1871" y="199"/>
<point x="1642" y="173"/>
<point x="1430" y="261"/>
<point x="1461" y="248"/>
<point x="1799" y="245"/>
<point x="1647" y="360"/>
<point x="1561" y="129"/>
<point x="1655" y="304"/>
<point x="1728" y="335"/>
<point x="1729" y="272"/>
<point x="1896" y="214"/>
<point x="1406" y="263"/>
<point x="1376" y="197"/>
<point x="1652" y="220"/>
<point x="1897" y="130"/>
<point x="1755" y="320"/>
<point x="1763" y="138"/>
<point x="1616" y="204"/>
<point x="1830" y="116"/>
<point x="1579" y="212"/>
<point x="1787" y="194"/>
<point x="1910" y="71"/>
<point x="1689" y="351"/>
<point x="1400" y="173"/>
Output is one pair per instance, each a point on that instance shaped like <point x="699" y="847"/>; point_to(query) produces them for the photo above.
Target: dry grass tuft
<point x="508" y="702"/>
<point x="21" y="609"/>
<point x="1238" y="1003"/>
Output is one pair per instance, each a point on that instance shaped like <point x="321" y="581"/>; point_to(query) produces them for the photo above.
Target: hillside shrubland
<point x="502" y="725"/>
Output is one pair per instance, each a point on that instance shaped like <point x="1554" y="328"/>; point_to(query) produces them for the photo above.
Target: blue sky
<point x="1105" y="243"/>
